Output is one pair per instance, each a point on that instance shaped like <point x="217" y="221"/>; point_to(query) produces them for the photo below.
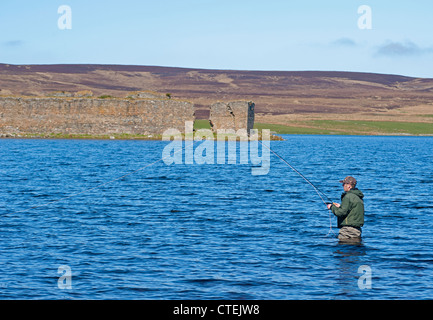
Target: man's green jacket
<point x="351" y="211"/>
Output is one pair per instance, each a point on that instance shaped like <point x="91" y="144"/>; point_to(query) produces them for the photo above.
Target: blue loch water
<point x="213" y="231"/>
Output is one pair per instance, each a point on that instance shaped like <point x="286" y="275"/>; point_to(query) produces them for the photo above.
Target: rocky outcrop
<point x="93" y="116"/>
<point x="233" y="115"/>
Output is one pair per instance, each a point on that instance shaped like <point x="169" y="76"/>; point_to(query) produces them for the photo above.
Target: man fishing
<point x="350" y="213"/>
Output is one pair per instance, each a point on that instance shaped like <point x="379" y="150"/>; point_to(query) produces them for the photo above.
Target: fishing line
<point x="104" y="183"/>
<point x="318" y="191"/>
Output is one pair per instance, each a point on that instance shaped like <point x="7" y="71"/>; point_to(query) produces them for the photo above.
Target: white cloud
<point x="399" y="49"/>
<point x="13" y="43"/>
<point x="344" y="42"/>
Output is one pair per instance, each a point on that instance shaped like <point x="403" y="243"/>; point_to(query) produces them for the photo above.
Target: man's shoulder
<point x="354" y="195"/>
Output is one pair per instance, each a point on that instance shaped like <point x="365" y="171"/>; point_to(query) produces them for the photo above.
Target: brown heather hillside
<point x="280" y="96"/>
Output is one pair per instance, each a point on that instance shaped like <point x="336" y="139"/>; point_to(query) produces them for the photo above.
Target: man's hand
<point x="329" y="205"/>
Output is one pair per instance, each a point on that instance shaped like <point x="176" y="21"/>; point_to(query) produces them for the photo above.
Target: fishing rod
<point x="318" y="191"/>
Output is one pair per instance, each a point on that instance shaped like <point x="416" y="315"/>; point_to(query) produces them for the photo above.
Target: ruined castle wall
<point x="92" y="116"/>
<point x="233" y="115"/>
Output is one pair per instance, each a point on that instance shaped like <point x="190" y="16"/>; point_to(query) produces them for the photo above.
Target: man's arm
<point x="343" y="209"/>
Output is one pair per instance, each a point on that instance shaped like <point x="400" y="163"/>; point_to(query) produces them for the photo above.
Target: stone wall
<point x="96" y="116"/>
<point x="92" y="116"/>
<point x="233" y="115"/>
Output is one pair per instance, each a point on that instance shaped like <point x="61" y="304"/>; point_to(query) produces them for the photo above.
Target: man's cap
<point x="349" y="180"/>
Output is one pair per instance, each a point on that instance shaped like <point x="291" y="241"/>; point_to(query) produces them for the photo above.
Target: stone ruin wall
<point x="97" y="116"/>
<point x="92" y="116"/>
<point x="232" y="115"/>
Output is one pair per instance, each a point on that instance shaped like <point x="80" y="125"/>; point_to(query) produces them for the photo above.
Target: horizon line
<point x="210" y="69"/>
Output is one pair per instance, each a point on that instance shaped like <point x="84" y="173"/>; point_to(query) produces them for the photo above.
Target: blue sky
<point x="219" y="34"/>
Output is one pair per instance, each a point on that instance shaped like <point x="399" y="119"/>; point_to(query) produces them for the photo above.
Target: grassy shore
<point x="350" y="127"/>
<point x="114" y="136"/>
<point x="322" y="127"/>
<point x="343" y="127"/>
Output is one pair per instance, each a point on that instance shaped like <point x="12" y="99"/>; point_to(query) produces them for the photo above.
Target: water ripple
<point x="212" y="231"/>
